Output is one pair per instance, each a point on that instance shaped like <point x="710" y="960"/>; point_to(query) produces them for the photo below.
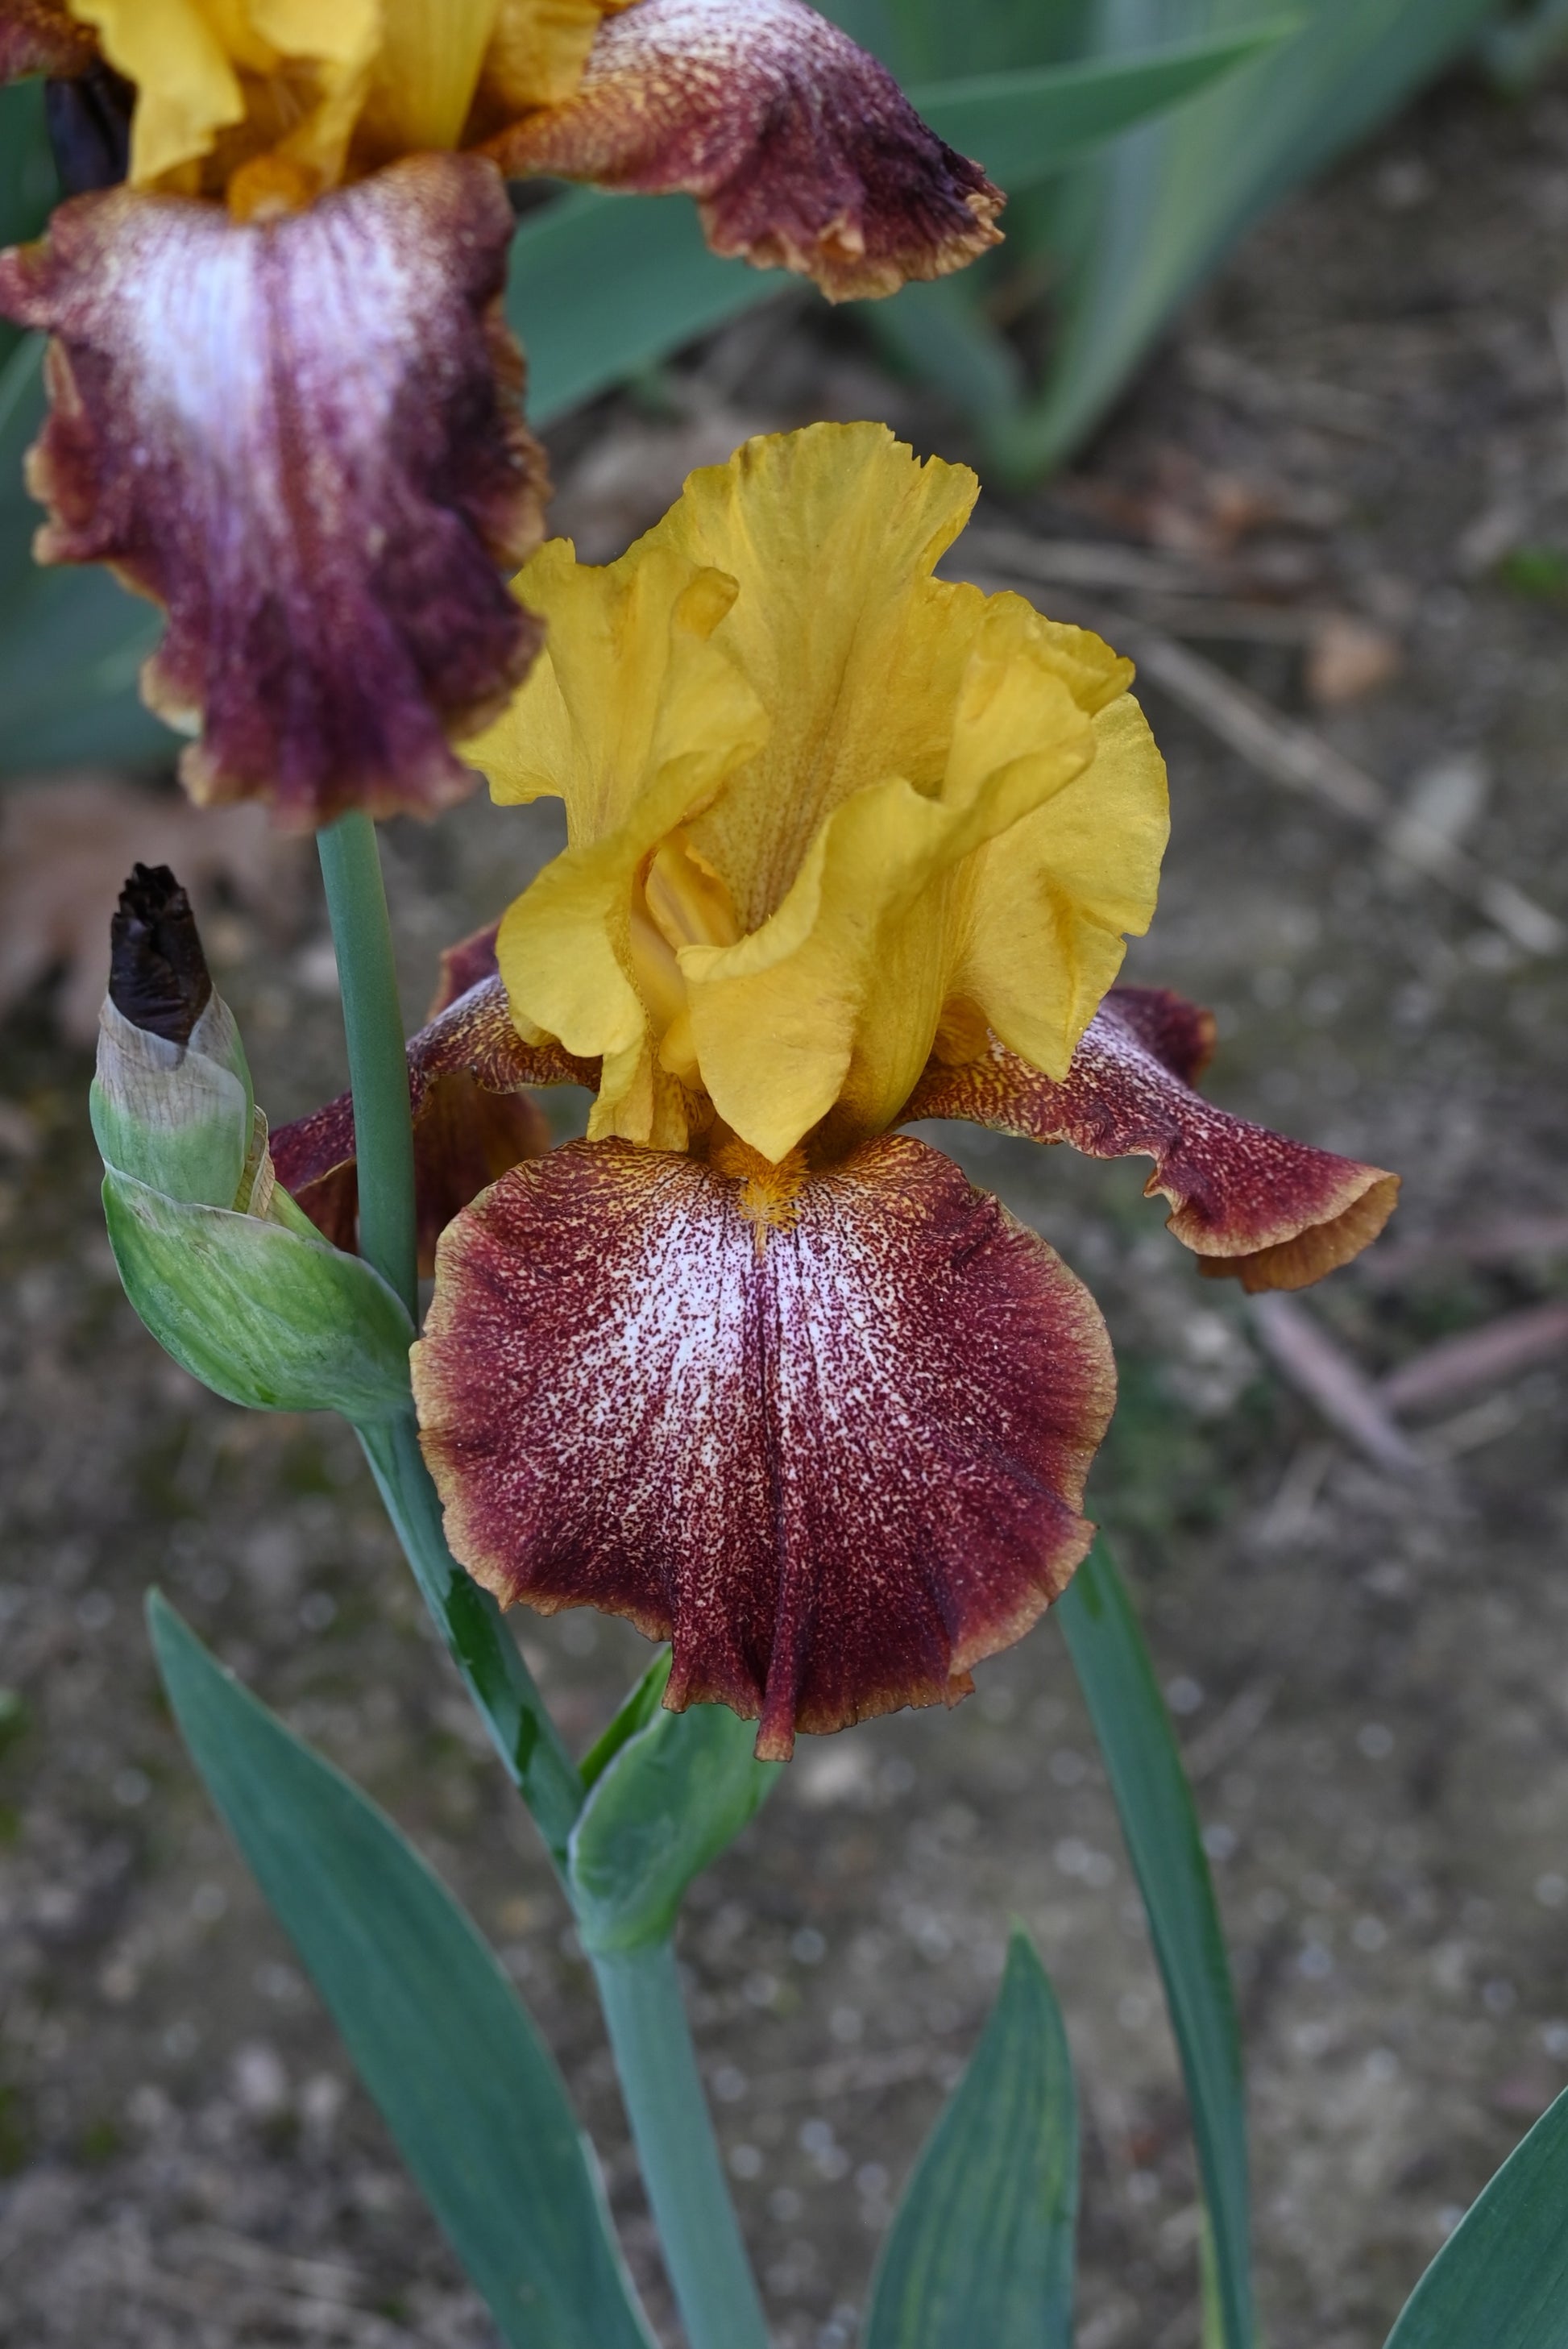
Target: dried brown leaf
<point x="1348" y="657"/>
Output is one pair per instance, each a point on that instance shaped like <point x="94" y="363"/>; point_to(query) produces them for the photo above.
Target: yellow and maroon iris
<point x="285" y="405"/>
<point x="848" y="845"/>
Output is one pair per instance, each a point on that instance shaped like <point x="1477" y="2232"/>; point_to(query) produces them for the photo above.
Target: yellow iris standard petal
<point x="187" y="86"/>
<point x="432" y="52"/>
<point x="634" y="719"/>
<point x="831" y="534"/>
<point x="1052" y="902"/>
<point x="294" y="72"/>
<point x="848" y="979"/>
<point x="940" y="815"/>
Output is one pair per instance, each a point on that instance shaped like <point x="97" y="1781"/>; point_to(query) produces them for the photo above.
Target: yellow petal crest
<point x="863" y="809"/>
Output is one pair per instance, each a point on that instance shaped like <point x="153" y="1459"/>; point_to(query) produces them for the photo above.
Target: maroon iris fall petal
<point x="468" y="1068"/>
<point x="463" y="1138"/>
<point x="802" y="152"/>
<point x="837" y="1456"/>
<point x="465" y="964"/>
<point x="1276" y="1214"/>
<point x="302" y="435"/>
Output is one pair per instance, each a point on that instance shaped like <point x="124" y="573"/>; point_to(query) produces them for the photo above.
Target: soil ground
<point x="1370" y="1678"/>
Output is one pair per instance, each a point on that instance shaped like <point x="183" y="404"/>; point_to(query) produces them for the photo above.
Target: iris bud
<point x="171" y="1103"/>
<point x="227" y="1273"/>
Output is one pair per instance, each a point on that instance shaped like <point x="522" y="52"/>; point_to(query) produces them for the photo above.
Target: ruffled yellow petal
<point x="295" y="72"/>
<point x="1052" y="903"/>
<point x="848" y="981"/>
<point x="616" y="695"/>
<point x="831" y="534"/>
<point x="919" y="811"/>
<point x="635" y="718"/>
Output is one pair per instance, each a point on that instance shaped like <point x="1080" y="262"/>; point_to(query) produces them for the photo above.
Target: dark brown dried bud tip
<point x="158" y="975"/>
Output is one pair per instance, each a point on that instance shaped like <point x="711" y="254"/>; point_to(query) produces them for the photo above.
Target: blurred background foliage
<point x="1137" y="140"/>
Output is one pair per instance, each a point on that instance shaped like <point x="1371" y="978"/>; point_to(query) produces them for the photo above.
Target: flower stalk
<point x="640" y="1991"/>
<point x="377" y="1071"/>
<point x="646" y="2016"/>
<point x="469" y="1621"/>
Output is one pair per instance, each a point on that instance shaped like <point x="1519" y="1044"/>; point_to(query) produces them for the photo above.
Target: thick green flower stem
<point x="377" y="1069"/>
<point x="483" y="1650"/>
<point x="682" y="2170"/>
<point x="468" y="1619"/>
<point x="641" y="1992"/>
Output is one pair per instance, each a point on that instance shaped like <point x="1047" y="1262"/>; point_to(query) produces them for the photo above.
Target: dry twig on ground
<point x="1501" y="1350"/>
<point x="1348" y="1400"/>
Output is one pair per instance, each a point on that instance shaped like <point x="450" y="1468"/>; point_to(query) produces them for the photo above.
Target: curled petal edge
<point x="1249" y="1202"/>
<point x="827" y="1434"/>
<point x="802" y="152"/>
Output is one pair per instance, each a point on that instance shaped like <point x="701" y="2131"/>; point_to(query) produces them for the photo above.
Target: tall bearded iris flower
<point x="284" y="404"/>
<point x="847" y="847"/>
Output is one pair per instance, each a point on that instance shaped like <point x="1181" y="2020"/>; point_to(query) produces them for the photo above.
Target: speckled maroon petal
<point x="463" y="1138"/>
<point x="465" y="964"/>
<point x="802" y="151"/>
<point x="1276" y="1214"/>
<point x="472" y="1118"/>
<point x="40" y="37"/>
<point x="302" y="435"/>
<point x="836" y="1458"/>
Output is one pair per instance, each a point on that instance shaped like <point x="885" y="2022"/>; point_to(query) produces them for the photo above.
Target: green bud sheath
<point x="257" y="1312"/>
<point x="226" y="1272"/>
<point x="663" y="1807"/>
<point x="175" y="1116"/>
